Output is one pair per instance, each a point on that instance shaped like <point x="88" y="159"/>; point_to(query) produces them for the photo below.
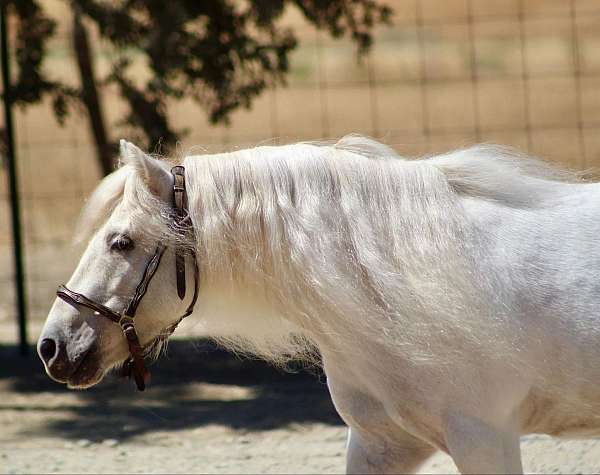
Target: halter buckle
<point x="126" y="322"/>
<point x="128" y="329"/>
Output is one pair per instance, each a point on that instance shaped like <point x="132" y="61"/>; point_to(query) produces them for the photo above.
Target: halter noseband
<point x="134" y="365"/>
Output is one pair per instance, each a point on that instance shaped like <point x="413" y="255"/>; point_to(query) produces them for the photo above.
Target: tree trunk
<point x="89" y="94"/>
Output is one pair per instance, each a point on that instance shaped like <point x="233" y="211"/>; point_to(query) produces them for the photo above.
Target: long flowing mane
<point x="349" y="241"/>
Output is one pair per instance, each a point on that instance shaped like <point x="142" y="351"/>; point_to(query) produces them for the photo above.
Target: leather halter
<point x="134" y="365"/>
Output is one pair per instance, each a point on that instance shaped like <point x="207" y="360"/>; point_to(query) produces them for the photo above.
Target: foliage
<point x="34" y="31"/>
<point x="221" y="53"/>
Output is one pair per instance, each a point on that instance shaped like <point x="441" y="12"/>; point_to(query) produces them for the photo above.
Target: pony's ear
<point x="155" y="173"/>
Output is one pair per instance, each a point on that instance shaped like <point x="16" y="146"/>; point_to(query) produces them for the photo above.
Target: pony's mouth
<point x="87" y="374"/>
<point x="90" y="371"/>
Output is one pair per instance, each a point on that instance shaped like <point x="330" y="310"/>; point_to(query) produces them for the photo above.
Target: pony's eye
<point x="122" y="243"/>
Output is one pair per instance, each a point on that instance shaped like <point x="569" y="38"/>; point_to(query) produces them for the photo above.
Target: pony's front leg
<point x="367" y="454"/>
<point x="480" y="447"/>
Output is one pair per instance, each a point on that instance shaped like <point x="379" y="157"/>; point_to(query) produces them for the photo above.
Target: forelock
<point x="102" y="202"/>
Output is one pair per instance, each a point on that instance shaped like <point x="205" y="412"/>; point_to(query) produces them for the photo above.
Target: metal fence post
<point x="13" y="184"/>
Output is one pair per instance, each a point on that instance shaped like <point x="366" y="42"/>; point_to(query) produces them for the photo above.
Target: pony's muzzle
<point x="62" y="358"/>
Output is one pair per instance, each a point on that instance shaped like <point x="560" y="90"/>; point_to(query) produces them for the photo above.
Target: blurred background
<point x="423" y="76"/>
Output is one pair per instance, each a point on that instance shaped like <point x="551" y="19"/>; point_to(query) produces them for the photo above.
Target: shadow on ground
<point x="193" y="385"/>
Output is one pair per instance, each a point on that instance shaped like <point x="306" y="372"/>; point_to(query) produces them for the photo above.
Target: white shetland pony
<point x="454" y="300"/>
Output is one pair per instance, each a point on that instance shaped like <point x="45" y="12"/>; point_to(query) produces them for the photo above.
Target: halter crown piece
<point x="134" y="365"/>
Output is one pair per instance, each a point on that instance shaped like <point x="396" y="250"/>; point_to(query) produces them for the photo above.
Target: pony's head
<point x="127" y="217"/>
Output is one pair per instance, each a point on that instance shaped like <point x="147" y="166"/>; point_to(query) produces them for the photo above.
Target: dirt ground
<point x="205" y="412"/>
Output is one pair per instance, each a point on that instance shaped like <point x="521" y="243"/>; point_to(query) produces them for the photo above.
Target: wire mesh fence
<point x="445" y="74"/>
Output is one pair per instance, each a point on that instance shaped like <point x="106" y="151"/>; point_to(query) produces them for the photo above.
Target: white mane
<point x="351" y="241"/>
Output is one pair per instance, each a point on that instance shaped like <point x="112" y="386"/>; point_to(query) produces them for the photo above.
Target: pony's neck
<point x="321" y="241"/>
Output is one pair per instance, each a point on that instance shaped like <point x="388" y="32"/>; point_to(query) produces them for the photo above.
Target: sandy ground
<point x="205" y="412"/>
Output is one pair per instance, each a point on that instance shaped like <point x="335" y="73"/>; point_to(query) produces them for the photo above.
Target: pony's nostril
<point x="47" y="349"/>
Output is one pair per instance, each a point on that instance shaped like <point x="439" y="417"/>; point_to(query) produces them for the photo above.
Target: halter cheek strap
<point x="179" y="201"/>
<point x="134" y="366"/>
<point x="183" y="225"/>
